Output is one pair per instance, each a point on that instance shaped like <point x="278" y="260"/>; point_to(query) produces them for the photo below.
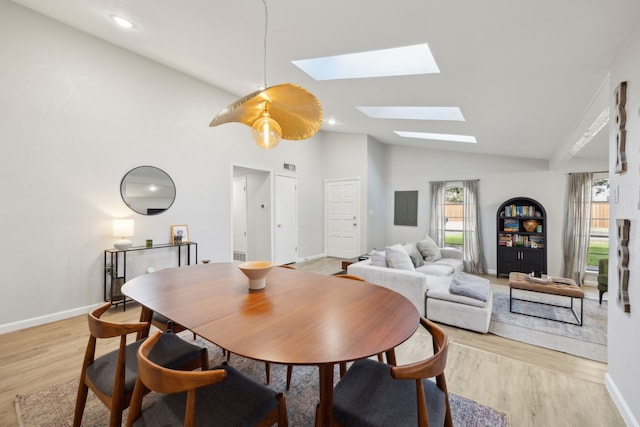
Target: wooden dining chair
<point x="222" y="396"/>
<point x="165" y="324"/>
<point x="112" y="377"/>
<point x="377" y="394"/>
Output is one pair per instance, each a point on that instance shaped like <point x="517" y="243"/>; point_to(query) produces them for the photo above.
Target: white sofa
<point x="427" y="287"/>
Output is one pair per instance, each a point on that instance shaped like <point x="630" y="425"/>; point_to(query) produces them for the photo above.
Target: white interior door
<point x="240" y="218"/>
<point x="342" y="207"/>
<point x="286" y="220"/>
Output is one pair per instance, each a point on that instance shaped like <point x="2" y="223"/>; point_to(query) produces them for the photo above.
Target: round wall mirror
<point x="148" y="190"/>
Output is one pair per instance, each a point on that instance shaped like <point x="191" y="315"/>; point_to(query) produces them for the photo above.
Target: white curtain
<point x="577" y="226"/>
<point x="436" y="227"/>
<point x="473" y="256"/>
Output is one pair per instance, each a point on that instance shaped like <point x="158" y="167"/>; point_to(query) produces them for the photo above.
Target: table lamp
<point x="122" y="228"/>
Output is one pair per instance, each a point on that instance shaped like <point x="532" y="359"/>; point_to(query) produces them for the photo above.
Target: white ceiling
<point x="526" y="74"/>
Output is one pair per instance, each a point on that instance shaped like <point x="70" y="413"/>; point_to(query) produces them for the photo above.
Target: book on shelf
<point x="520" y="211"/>
<point x="505" y="240"/>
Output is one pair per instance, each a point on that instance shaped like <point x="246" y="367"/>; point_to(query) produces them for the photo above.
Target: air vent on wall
<point x="290" y="167"/>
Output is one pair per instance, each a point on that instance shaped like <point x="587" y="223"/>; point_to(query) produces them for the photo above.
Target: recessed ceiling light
<point x="437" y="136"/>
<point x="124" y="23"/>
<point x="400" y="61"/>
<point x="414" y="113"/>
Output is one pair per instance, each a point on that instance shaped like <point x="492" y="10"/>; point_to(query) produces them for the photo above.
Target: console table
<point x="115" y="267"/>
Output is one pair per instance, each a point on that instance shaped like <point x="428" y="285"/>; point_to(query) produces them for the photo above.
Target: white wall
<point x="623" y="378"/>
<point x="76" y="115"/>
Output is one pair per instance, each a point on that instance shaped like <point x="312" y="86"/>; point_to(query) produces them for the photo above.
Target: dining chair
<point x="165" y="324"/>
<point x="377" y="394"/>
<point x="222" y="396"/>
<point x="112" y="377"/>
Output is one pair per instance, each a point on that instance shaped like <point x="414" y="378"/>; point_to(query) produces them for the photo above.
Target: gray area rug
<point x="54" y="406"/>
<point x="588" y="341"/>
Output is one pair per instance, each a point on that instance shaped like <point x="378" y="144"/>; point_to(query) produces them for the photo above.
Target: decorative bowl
<point x="530" y="225"/>
<point x="257" y="272"/>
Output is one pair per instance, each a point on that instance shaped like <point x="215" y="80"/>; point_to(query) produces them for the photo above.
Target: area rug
<point x="54" y="406"/>
<point x="588" y="341"/>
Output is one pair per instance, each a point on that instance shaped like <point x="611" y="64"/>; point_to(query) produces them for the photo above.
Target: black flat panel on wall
<point x="406" y="208"/>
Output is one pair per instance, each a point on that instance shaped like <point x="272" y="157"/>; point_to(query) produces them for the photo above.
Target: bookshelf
<point x="521" y="237"/>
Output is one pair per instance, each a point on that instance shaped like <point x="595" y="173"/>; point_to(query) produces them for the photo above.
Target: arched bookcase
<point x="521" y="235"/>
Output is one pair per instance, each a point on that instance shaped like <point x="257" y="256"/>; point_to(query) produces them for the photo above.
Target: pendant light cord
<point x="266" y="23"/>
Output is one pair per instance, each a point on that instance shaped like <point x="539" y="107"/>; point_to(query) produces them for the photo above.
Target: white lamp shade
<point x="122" y="227"/>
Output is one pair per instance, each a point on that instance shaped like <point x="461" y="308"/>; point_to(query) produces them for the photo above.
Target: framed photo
<point x="179" y="234"/>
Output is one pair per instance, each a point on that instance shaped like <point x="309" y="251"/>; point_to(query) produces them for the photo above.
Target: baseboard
<point x="620" y="403"/>
<point x="41" y="320"/>
<point x="309" y="258"/>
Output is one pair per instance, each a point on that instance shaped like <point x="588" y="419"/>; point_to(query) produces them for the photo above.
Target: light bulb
<point x="266" y="131"/>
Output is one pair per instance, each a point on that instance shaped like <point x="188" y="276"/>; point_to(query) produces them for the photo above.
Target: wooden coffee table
<point x="559" y="286"/>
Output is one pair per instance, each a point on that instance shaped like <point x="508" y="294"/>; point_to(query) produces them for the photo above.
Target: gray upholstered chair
<point x="112" y="376"/>
<point x="376" y="394"/>
<point x="221" y="397"/>
<point x="603" y="276"/>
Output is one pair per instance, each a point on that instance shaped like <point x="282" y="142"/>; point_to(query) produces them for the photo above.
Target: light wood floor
<point x="534" y="386"/>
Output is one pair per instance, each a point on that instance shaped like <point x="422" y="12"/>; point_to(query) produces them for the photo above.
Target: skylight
<point x="414" y="113"/>
<point x="400" y="61"/>
<point x="437" y="136"/>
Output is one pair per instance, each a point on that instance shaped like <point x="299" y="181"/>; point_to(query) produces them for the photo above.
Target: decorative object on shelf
<point x="179" y="234"/>
<point x="285" y="111"/>
<point x="122" y="228"/>
<point x="623" y="264"/>
<point x="147" y="190"/>
<point x="621" y="131"/>
<point x="257" y="272"/>
<point x="530" y="225"/>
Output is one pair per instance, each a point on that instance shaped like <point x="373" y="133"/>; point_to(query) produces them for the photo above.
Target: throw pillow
<point x="429" y="249"/>
<point x="414" y="254"/>
<point x="398" y="258"/>
<point x="378" y="258"/>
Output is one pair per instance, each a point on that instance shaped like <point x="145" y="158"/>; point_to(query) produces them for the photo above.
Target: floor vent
<point x="239" y="256"/>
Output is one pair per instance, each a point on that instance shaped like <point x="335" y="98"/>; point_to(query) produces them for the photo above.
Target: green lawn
<point x="453" y="239"/>
<point x="597" y="249"/>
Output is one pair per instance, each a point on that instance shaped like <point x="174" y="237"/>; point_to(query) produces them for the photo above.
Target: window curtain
<point x="472" y="253"/>
<point x="577" y="226"/>
<point x="436" y="227"/>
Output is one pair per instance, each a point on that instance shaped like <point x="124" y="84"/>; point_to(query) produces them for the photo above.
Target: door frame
<point x="360" y="216"/>
<point x="269" y="172"/>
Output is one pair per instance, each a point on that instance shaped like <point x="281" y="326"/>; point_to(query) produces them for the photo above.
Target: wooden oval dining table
<point x="299" y="318"/>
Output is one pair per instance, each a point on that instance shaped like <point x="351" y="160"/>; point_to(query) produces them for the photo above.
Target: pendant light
<point x="284" y="111"/>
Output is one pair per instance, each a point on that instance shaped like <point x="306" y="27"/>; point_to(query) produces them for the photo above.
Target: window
<point x="454" y="217"/>
<point x="599" y="236"/>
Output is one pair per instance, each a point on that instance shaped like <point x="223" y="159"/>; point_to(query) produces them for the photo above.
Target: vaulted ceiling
<point x="530" y="77"/>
